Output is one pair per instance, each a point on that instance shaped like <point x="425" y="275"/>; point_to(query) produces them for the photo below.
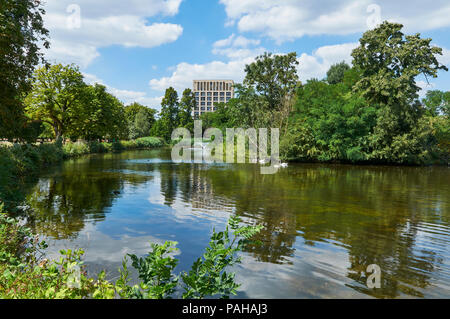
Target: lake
<point x="323" y="224"/>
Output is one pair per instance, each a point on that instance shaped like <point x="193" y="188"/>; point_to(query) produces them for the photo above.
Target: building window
<point x="228" y="93"/>
<point x="196" y="94"/>
<point x="203" y="94"/>
<point x="216" y="93"/>
<point x="216" y="99"/>
<point x="222" y="93"/>
<point x="209" y="104"/>
<point x="209" y="99"/>
<point x="203" y="103"/>
<point x="209" y="109"/>
<point x="209" y="93"/>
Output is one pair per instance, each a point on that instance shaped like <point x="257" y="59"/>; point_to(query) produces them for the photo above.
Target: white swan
<point x="282" y="165"/>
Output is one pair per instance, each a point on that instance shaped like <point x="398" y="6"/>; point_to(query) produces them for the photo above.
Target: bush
<point x="149" y="142"/>
<point x="75" y="149"/>
<point x="25" y="275"/>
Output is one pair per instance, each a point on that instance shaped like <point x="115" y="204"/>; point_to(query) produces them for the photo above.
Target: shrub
<point x="25" y="275"/>
<point x="149" y="142"/>
<point x="207" y="277"/>
<point x="75" y="149"/>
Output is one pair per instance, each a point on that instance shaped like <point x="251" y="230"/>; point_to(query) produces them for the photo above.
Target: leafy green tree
<point x="140" y="120"/>
<point x="437" y="102"/>
<point x="21" y="32"/>
<point x="169" y="114"/>
<point x="390" y="63"/>
<point x="328" y="123"/>
<point x="273" y="76"/>
<point x="187" y="104"/>
<point x="56" y="95"/>
<point x="336" y="72"/>
<point x="221" y="118"/>
<point x="141" y="125"/>
<point x="100" y="115"/>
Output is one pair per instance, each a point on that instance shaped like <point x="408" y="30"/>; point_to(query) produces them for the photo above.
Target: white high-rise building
<point x="210" y="92"/>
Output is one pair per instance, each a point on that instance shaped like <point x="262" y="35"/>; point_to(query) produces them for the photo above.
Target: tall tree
<point x="140" y="120"/>
<point x="98" y="115"/>
<point x="390" y="63"/>
<point x="336" y="72"/>
<point x="169" y="113"/>
<point x="21" y="31"/>
<point x="273" y="76"/>
<point x="55" y="93"/>
<point x="187" y="104"/>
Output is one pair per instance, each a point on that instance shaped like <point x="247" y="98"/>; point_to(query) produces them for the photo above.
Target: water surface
<point x="323" y="224"/>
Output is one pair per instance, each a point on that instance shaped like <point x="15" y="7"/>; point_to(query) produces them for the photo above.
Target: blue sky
<point x="137" y="48"/>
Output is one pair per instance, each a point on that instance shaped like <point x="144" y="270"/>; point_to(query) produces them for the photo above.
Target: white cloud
<point x="445" y="57"/>
<point x="126" y="96"/>
<point x="284" y="20"/>
<point x="317" y="64"/>
<point x="236" y="42"/>
<point x="237" y="47"/>
<point x="185" y="73"/>
<point x="104" y="23"/>
<point x="311" y="66"/>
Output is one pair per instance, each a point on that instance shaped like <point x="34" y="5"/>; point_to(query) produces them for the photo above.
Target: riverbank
<point x="19" y="161"/>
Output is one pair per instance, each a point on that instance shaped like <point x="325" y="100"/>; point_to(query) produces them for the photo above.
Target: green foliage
<point x="62" y="100"/>
<point x="18" y="161"/>
<point x="156" y="272"/>
<point x="141" y="125"/>
<point x="149" y="142"/>
<point x="328" y="124"/>
<point x="437" y="102"/>
<point x="174" y="113"/>
<point x="372" y="114"/>
<point x="99" y="115"/>
<point x="186" y="107"/>
<point x="24" y="274"/>
<point x="273" y="76"/>
<point x="336" y="72"/>
<point x="208" y="276"/>
<point x="22" y="33"/>
<point x="56" y="93"/>
<point x="390" y="63"/>
<point x="140" y="120"/>
<point x="169" y="115"/>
